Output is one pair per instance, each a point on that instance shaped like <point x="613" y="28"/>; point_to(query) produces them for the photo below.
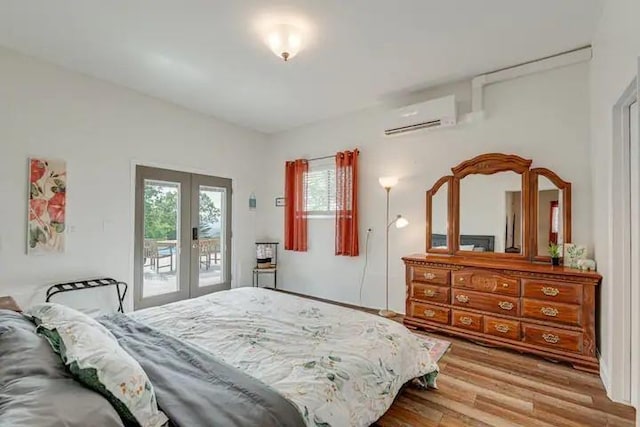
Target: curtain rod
<point x="321" y="158"/>
<point x="324" y="157"/>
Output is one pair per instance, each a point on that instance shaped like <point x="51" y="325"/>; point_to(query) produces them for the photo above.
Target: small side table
<point x="258" y="271"/>
<point x="266" y="262"/>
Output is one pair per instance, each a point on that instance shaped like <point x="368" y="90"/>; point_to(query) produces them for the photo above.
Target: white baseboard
<point x="605" y="376"/>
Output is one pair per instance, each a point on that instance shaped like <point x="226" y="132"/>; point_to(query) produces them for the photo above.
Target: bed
<point x="336" y="366"/>
<point x="480" y="243"/>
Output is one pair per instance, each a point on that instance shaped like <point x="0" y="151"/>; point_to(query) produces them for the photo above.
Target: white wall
<point x="616" y="48"/>
<point x="439" y="210"/>
<point x="484" y="207"/>
<point x="545" y="197"/>
<point x="544" y="117"/>
<point x="99" y="129"/>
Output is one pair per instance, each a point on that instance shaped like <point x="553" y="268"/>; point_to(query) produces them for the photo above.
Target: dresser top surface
<point x="503" y="264"/>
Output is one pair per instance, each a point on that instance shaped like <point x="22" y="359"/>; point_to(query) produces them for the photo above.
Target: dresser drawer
<point x="430" y="312"/>
<point x="466" y="320"/>
<point x="502" y="327"/>
<point x="486" y="281"/>
<point x="552" y="291"/>
<point x="481" y="301"/>
<point x="551" y="311"/>
<point x="430" y="293"/>
<point x="552" y="337"/>
<point x="430" y="275"/>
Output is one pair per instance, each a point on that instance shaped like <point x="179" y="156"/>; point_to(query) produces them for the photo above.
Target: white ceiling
<point x="208" y="55"/>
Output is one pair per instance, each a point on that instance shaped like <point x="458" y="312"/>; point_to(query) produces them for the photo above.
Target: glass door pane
<point x="211" y="234"/>
<point x="161" y="263"/>
<point x="182" y="236"/>
<point x="162" y="224"/>
<point x="212" y="230"/>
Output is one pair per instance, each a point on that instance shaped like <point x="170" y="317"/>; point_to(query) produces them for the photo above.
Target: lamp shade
<point x="401" y="222"/>
<point x="388" y="181"/>
<point x="285" y="41"/>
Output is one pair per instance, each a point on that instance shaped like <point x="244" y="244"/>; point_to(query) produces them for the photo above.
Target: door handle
<point x="194" y="233"/>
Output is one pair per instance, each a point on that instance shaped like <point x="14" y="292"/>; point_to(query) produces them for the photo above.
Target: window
<point x="320" y="185"/>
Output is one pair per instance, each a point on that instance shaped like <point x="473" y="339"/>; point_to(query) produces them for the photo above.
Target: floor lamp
<point x="388" y="182"/>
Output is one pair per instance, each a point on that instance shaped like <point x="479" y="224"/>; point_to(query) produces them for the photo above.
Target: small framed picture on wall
<point x="280" y="201"/>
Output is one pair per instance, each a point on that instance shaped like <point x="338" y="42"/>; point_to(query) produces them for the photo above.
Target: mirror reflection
<point x="491" y="213"/>
<point x="550" y="227"/>
<point x="439" y="212"/>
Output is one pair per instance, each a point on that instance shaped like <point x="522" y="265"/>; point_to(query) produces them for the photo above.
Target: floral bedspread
<point x="339" y="366"/>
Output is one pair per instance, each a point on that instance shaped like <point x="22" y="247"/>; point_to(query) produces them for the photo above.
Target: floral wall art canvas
<point x="47" y="206"/>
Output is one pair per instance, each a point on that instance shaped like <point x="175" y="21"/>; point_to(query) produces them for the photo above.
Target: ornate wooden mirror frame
<point x="488" y="164"/>
<point x="430" y="193"/>
<point x="561" y="185"/>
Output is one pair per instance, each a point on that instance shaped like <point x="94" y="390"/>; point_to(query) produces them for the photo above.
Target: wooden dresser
<point x="535" y="308"/>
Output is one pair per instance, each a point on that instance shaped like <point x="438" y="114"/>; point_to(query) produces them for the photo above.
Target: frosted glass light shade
<point x="401" y="222"/>
<point x="285" y="41"/>
<point x="388" y="181"/>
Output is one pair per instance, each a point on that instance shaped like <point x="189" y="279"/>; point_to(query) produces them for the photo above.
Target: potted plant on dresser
<point x="554" y="252"/>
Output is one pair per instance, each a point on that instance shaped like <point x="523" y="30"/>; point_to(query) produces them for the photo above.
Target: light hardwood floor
<point x="480" y="386"/>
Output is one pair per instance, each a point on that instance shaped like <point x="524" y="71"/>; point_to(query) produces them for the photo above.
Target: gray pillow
<point x="35" y="388"/>
<point x="94" y="357"/>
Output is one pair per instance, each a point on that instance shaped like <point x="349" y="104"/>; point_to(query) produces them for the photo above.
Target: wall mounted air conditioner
<point x="435" y="113"/>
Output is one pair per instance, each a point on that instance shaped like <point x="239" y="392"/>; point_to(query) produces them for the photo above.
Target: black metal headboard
<point x="487" y="243"/>
<point x="438" y="240"/>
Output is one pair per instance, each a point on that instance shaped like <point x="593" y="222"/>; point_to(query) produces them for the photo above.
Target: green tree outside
<point x="161" y="212"/>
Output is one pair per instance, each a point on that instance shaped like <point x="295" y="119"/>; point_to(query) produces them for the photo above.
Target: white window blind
<point x="320" y="186"/>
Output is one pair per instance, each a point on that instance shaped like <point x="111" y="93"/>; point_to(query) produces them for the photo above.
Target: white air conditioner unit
<point x="435" y="113"/>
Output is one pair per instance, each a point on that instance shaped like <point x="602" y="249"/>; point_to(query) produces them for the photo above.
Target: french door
<point x="182" y="236"/>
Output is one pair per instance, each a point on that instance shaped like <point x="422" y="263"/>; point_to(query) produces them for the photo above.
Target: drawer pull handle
<point x="549" y="291"/>
<point x="505" y="285"/>
<point x="466" y="320"/>
<point x="429" y="276"/>
<point x="550" y="338"/>
<point x="505" y="305"/>
<point x="462" y="298"/>
<point x="460" y="279"/>
<point x="429" y="313"/>
<point x="549" y="311"/>
<point x="502" y="328"/>
<point x="429" y="293"/>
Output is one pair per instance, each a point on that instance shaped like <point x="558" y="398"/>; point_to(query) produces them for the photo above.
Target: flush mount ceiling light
<point x="285" y="41"/>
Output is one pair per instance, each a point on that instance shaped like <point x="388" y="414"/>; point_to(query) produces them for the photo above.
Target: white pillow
<point x="95" y="358"/>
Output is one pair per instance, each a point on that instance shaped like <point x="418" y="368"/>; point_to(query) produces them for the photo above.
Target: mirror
<point x="549" y="228"/>
<point x="439" y="218"/>
<point x="439" y="234"/>
<point x="551" y="212"/>
<point x="491" y="213"/>
<point x="496" y="206"/>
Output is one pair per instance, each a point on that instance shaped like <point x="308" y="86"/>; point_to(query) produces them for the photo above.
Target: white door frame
<point x="635" y="292"/>
<point x="625" y="250"/>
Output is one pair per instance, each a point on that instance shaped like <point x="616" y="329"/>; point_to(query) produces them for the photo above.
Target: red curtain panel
<point x="553" y="222"/>
<point x="295" y="218"/>
<point x="347" y="203"/>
